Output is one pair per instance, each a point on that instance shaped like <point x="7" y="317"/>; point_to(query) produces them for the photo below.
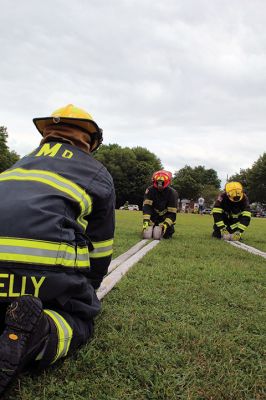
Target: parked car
<point x="207" y="211"/>
<point x="130" y="207"/>
<point x="261" y="214"/>
<point x="254" y="213"/>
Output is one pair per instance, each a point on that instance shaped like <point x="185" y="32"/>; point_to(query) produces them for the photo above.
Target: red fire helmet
<point x="161" y="176"/>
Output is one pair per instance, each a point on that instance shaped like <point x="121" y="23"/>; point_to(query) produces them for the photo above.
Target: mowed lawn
<point x="187" y="322"/>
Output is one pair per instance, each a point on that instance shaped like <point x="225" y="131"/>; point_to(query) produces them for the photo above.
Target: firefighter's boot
<point x="24" y="336"/>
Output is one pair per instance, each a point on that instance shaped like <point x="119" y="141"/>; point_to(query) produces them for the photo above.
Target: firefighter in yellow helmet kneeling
<point x="159" y="207"/>
<point x="56" y="235"/>
<point x="231" y="213"/>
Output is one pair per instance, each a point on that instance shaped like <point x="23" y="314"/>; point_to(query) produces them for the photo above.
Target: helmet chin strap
<point x="96" y="140"/>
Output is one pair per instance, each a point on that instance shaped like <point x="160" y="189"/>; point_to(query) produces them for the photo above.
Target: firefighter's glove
<point x="225" y="234"/>
<point x="164" y="227"/>
<point x="145" y="225"/>
<point x="236" y="236"/>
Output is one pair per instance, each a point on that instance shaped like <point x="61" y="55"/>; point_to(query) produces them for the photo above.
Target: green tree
<point x="131" y="170"/>
<point x="241" y="177"/>
<point x="209" y="193"/>
<point x="147" y="163"/>
<point x="7" y="157"/>
<point x="256" y="178"/>
<point x="185" y="184"/>
<point x="206" y="176"/>
<point x="190" y="182"/>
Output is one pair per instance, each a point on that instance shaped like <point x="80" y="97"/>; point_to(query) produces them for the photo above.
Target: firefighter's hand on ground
<point x="236" y="236"/>
<point x="164" y="227"/>
<point x="145" y="225"/>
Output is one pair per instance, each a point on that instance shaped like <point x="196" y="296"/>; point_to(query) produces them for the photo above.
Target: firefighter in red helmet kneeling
<point x="56" y="235"/>
<point x="159" y="207"/>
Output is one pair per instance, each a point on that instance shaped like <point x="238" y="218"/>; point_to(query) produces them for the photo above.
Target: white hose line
<point x="111" y="279"/>
<point x="123" y="257"/>
<point x="250" y="249"/>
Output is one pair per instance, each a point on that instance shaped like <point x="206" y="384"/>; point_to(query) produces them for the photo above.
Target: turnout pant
<point x="71" y="312"/>
<point x="228" y="221"/>
<point x="158" y="219"/>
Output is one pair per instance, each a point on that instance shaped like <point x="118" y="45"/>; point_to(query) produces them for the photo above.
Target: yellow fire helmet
<point x="234" y="191"/>
<point x="72" y="115"/>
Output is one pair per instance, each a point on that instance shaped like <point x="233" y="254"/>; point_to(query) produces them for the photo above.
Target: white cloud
<point x="186" y="79"/>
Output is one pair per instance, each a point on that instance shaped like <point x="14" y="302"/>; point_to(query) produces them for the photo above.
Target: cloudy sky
<point x="185" y="79"/>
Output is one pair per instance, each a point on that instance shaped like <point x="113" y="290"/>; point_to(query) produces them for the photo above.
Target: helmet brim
<point x="90" y="126"/>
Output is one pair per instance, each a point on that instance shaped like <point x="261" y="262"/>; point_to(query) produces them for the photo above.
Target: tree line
<point x="7" y="157"/>
<point x="132" y="169"/>
<point x="254" y="180"/>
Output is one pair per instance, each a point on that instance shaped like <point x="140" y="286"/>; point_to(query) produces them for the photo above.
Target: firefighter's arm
<point x="100" y="230"/>
<point x="217" y="213"/>
<point x="147" y="208"/>
<point x="244" y="217"/>
<point x="170" y="216"/>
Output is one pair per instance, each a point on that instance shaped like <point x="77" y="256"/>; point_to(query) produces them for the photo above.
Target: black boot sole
<point x="22" y="316"/>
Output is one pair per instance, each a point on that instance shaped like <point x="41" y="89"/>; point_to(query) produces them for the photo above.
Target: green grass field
<point x="187" y="322"/>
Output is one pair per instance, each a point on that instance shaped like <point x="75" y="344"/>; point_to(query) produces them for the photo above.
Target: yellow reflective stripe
<point x="233" y="226"/>
<point x="35" y="244"/>
<point x="27" y="259"/>
<point x="246" y="214"/>
<point x="146" y="216"/>
<point x="168" y="221"/>
<point x="220" y="224"/>
<point x="57" y="182"/>
<point x="241" y="226"/>
<point x="43" y="252"/>
<point x="172" y="209"/>
<point x="235" y="215"/>
<point x="217" y="210"/>
<point x="161" y="212"/>
<point x="148" y="202"/>
<point x="102" y="249"/>
<point x="102" y="254"/>
<point x="64" y="331"/>
<point x="103" y="243"/>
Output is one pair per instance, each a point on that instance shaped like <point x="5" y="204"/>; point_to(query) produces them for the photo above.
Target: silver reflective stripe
<point x="102" y="249"/>
<point x="43" y="252"/>
<point x="36" y="252"/>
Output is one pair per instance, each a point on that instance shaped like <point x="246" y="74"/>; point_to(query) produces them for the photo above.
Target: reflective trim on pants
<point x="64" y="331"/>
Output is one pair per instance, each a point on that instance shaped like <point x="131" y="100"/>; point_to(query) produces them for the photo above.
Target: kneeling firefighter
<point x="56" y="235"/>
<point x="159" y="207"/>
<point x="231" y="213"/>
